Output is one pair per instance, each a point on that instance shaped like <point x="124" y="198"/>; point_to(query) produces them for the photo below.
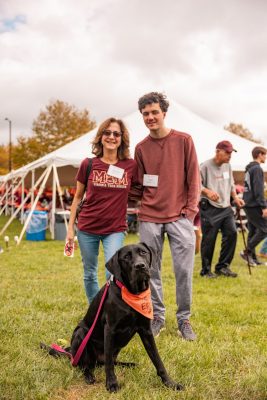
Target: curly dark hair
<point x="154" y="97"/>
<point x="123" y="150"/>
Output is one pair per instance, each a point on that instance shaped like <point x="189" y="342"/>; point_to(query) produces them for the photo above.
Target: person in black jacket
<point x="255" y="204"/>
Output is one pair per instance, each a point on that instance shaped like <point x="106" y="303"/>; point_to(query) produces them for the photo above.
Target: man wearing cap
<point x="256" y="205"/>
<point x="216" y="211"/>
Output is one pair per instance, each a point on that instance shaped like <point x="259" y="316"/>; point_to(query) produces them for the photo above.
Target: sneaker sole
<point x="187" y="340"/>
<point x="244" y="258"/>
<point x="227" y="276"/>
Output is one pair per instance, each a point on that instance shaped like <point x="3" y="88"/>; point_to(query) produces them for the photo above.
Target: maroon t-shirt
<point x="105" y="207"/>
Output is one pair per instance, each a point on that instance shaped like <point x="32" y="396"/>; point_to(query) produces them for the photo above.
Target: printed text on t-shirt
<point x="101" y="178"/>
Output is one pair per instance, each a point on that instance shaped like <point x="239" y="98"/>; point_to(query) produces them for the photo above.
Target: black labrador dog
<point x="118" y="322"/>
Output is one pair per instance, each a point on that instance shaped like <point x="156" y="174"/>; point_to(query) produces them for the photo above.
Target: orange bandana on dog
<point x="139" y="302"/>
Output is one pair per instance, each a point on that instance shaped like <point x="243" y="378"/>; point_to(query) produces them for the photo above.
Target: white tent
<point x="61" y="165"/>
<point x="205" y="135"/>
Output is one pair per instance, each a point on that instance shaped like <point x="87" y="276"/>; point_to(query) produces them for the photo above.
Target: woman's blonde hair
<point x="123" y="150"/>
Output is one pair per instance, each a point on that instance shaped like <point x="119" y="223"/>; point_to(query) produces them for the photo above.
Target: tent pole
<point x="41" y="189"/>
<point x="22" y="200"/>
<point x="22" y="203"/>
<point x="60" y="196"/>
<point x="8" y="189"/>
<point x="4" y="206"/>
<point x="2" y="186"/>
<point x="5" y="195"/>
<point x="5" y="192"/>
<point x="12" y="196"/>
<point x="53" y="211"/>
<point x="33" y="179"/>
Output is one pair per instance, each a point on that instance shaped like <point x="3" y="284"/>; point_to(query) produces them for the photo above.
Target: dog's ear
<point x="153" y="252"/>
<point x="113" y="265"/>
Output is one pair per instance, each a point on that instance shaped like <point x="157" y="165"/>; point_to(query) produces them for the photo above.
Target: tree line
<point x="59" y="124"/>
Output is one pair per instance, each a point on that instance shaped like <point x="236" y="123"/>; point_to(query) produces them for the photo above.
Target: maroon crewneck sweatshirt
<point x="173" y="158"/>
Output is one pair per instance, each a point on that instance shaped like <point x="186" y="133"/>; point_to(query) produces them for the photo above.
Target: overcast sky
<point x="104" y="54"/>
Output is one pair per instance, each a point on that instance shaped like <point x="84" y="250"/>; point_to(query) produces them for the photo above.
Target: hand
<point x="70" y="235"/>
<point x="264" y="213"/>
<point x="239" y="202"/>
<point x="212" y="195"/>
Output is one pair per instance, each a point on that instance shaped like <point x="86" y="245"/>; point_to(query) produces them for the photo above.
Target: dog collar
<point x="141" y="302"/>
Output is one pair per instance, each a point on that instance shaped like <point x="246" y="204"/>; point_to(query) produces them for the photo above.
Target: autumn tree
<point x="25" y="151"/>
<point x="59" y="124"/>
<point x="240" y="130"/>
<point x="3" y="160"/>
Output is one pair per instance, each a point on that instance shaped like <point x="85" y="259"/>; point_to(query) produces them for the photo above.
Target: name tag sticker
<point x="115" y="171"/>
<point x="150" y="180"/>
<point x="226" y="175"/>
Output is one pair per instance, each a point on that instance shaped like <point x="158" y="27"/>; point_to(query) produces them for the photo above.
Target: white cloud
<point x="104" y="54"/>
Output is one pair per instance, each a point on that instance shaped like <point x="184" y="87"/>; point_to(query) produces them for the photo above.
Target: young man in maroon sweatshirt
<point x="169" y="173"/>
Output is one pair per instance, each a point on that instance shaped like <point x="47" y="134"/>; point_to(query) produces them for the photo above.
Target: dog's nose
<point x="140" y="266"/>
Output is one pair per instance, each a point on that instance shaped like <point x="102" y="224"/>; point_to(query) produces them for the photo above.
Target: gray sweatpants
<point x="182" y="244"/>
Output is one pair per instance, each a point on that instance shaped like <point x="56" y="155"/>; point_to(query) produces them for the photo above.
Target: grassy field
<point x="42" y="299"/>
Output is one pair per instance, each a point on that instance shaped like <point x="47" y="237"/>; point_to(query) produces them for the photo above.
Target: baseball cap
<point x="226" y="146"/>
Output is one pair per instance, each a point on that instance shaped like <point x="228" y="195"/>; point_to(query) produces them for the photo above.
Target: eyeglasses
<point x="115" y="133"/>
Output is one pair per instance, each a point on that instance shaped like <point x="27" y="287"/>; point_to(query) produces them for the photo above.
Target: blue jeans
<point x="89" y="247"/>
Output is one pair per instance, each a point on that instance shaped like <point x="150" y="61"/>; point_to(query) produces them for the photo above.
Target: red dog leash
<point x="140" y="302"/>
<point x="76" y="358"/>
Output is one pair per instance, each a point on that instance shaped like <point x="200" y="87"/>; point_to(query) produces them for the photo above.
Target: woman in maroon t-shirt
<point x="103" y="215"/>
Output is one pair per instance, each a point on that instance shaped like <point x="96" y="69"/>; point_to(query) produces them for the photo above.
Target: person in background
<point x="168" y="170"/>
<point x="103" y="214"/>
<point x="216" y="212"/>
<point x="263" y="249"/>
<point x="256" y="206"/>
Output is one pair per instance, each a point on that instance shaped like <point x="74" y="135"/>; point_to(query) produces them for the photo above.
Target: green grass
<point x="42" y="298"/>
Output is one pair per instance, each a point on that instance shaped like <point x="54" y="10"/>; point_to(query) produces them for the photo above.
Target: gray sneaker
<point x="157" y="325"/>
<point x="185" y="330"/>
<point x="225" y="271"/>
<point x="248" y="258"/>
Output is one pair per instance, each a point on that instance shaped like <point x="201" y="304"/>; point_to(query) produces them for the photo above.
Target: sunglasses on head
<point x="116" y="134"/>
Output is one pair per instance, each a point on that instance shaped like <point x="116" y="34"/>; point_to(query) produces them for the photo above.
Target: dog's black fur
<point x="118" y="322"/>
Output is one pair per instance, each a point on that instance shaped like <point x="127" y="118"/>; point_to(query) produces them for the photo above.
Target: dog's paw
<point x="178" y="386"/>
<point x="90" y="380"/>
<point x="112" y="386"/>
<point x="89" y="377"/>
<point x="174" y="385"/>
